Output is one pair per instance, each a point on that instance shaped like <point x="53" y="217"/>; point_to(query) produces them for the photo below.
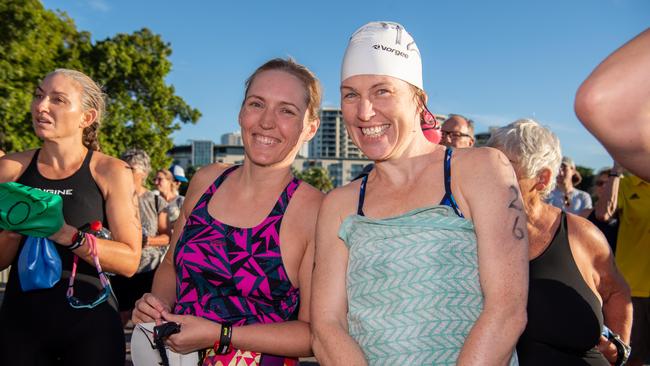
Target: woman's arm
<point x="614" y="104"/>
<point x="161" y="238"/>
<point x="331" y="342"/>
<point x="122" y="254"/>
<point x="11" y="167"/>
<point x="488" y="184"/>
<point x="596" y="263"/>
<point x="605" y="207"/>
<point x="593" y="249"/>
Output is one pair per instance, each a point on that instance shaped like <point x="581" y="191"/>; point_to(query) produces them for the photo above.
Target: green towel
<point x="29" y="211"/>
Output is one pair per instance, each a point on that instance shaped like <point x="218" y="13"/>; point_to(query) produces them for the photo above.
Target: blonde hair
<point x="92" y="97"/>
<point x="310" y="82"/>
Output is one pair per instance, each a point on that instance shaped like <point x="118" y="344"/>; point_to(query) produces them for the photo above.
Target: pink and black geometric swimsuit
<point x="234" y="275"/>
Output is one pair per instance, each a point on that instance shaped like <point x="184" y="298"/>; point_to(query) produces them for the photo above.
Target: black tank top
<point x="564" y="315"/>
<point x="83" y="202"/>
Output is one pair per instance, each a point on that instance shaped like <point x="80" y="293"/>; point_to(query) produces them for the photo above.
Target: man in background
<point x="457" y="131"/>
<point x="632" y="202"/>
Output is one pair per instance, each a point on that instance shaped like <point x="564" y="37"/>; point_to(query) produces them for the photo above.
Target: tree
<point x="142" y="110"/>
<point x="34" y="41"/>
<point x="317" y="177"/>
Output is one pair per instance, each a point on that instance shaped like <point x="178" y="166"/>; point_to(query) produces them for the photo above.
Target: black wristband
<point x="614" y="175"/>
<point x="224" y="340"/>
<point x="79" y="240"/>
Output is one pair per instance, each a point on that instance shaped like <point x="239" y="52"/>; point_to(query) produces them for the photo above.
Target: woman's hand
<point x="608" y="349"/>
<point x="149" y="309"/>
<point x="196" y="333"/>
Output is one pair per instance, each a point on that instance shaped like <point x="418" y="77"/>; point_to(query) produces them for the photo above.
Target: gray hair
<point x="470" y="123"/>
<point x="532" y="146"/>
<point x="92" y="97"/>
<point x="137" y="159"/>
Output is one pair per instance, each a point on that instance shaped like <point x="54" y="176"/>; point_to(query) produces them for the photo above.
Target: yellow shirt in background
<point x="633" y="244"/>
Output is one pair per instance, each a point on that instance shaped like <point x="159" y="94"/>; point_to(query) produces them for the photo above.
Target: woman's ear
<point x="312" y="128"/>
<point x="543" y="179"/>
<point x="88" y="118"/>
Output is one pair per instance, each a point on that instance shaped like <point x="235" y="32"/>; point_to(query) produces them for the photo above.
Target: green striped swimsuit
<point x="412" y="283"/>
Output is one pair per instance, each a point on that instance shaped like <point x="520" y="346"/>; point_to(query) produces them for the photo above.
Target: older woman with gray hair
<point x="155" y="235"/>
<point x="575" y="288"/>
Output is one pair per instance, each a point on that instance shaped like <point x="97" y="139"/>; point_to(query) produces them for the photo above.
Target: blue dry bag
<point x="39" y="264"/>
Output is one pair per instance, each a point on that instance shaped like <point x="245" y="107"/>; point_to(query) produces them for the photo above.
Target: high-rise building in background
<point x="202" y="152"/>
<point x="332" y="140"/>
<point x="233" y="139"/>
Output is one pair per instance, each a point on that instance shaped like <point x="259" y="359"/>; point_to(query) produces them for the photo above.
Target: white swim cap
<point x="383" y="48"/>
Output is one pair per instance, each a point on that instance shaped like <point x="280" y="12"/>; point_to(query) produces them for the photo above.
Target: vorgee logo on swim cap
<point x="391" y="50"/>
<point x="383" y="48"/>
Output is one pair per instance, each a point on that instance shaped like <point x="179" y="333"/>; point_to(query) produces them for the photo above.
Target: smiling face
<point x="57" y="109"/>
<point x="274" y="119"/>
<point x="381" y="115"/>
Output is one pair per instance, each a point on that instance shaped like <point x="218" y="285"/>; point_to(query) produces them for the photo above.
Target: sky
<point x="494" y="61"/>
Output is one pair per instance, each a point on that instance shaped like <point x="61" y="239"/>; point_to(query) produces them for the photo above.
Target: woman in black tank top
<point x="40" y="327"/>
<point x="571" y="266"/>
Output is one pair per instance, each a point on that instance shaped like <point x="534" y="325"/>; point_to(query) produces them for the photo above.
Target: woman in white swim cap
<point x="424" y="260"/>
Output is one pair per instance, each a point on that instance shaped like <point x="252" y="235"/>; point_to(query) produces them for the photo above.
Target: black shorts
<point x="40" y="328"/>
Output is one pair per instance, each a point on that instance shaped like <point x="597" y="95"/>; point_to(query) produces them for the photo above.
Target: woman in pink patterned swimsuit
<point x="245" y="238"/>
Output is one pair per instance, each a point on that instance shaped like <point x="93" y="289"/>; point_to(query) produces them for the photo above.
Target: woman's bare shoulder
<point x="201" y="180"/>
<point x="586" y="237"/>
<point x="108" y="166"/>
<point x="14" y="164"/>
<point x="342" y="201"/>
